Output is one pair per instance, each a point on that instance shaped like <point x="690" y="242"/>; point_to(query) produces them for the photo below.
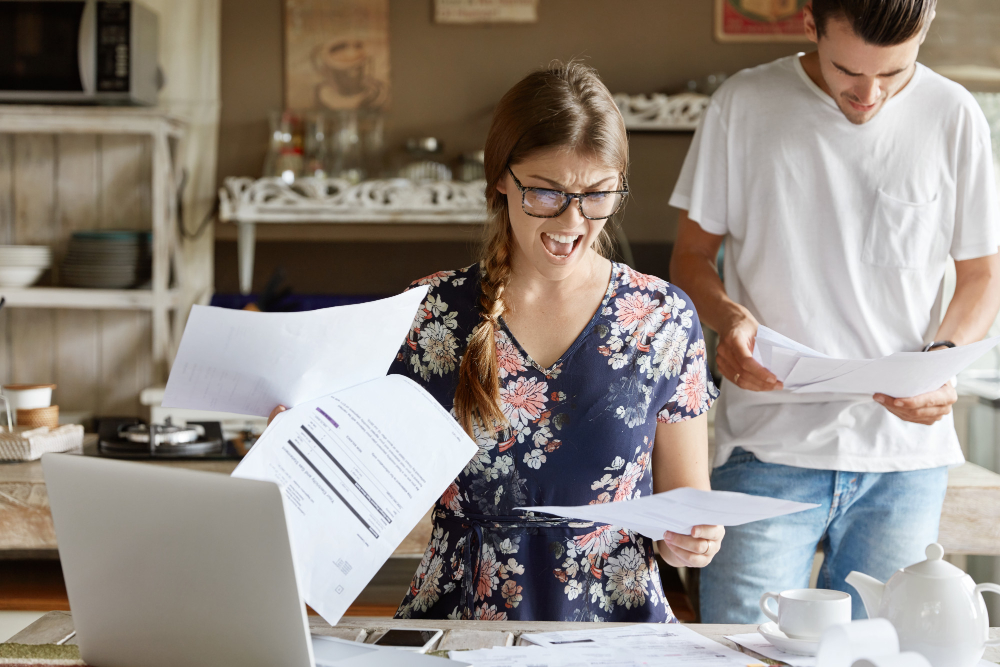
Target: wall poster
<point x="336" y="54"/>
<point x="759" y="20"/>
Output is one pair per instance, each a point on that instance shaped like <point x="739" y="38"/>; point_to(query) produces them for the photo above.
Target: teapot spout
<point x="870" y="589"/>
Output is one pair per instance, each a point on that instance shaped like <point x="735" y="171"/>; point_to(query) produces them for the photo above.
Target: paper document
<point x="679" y="510"/>
<point x="358" y="469"/>
<point x="900" y="375"/>
<point x="756" y="643"/>
<point x="333" y="652"/>
<point x="248" y="362"/>
<point x="633" y="645"/>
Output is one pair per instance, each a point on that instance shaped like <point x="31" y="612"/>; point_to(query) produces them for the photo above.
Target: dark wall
<point x="445" y="80"/>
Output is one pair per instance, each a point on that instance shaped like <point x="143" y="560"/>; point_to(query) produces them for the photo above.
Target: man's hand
<point x="694" y="550"/>
<point x="923" y="409"/>
<point x="734" y="357"/>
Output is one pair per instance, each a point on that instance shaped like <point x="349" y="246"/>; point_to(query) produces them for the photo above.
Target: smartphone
<point x="410" y="639"/>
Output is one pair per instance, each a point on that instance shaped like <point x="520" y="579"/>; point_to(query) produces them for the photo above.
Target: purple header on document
<point x="329" y="418"/>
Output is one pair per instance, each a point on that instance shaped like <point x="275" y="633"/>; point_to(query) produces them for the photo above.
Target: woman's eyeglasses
<point x="545" y="203"/>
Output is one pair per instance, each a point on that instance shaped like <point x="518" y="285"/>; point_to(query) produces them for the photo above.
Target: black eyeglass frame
<point x="569" y="197"/>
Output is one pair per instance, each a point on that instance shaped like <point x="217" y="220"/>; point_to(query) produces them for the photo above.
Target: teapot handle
<point x="989" y="588"/>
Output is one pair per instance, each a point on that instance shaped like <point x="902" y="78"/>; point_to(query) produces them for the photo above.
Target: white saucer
<point x="779" y="639"/>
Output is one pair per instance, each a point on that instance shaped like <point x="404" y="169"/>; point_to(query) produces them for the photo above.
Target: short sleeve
<point x="690" y="391"/>
<point x="432" y="351"/>
<point x="402" y="364"/>
<point x="977" y="213"/>
<point x="702" y="186"/>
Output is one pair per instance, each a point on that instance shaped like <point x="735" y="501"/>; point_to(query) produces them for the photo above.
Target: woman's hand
<point x="694" y="550"/>
<point x="274" y="413"/>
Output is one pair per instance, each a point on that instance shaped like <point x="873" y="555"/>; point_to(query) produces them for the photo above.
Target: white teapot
<point x="937" y="610"/>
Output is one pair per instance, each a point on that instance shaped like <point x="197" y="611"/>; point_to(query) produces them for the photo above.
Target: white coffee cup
<point x="804" y="613"/>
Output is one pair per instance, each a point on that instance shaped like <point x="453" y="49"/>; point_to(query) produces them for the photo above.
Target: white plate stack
<point x="23" y="265"/>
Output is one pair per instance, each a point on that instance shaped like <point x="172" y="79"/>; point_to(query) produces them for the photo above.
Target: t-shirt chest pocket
<point x="902" y="234"/>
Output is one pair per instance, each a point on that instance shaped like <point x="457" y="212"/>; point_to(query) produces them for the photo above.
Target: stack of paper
<point x="901" y="375"/>
<point x="356" y="476"/>
<point x="679" y="510"/>
<point x="633" y="645"/>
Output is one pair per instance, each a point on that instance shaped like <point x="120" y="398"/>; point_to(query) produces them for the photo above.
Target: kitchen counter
<point x="970" y="519"/>
<point x="26" y="529"/>
<point x="56" y="626"/>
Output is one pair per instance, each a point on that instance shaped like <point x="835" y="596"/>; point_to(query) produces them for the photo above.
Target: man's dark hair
<point x="878" y="22"/>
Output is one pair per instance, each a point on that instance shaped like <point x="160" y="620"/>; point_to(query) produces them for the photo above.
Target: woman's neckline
<point x="616" y="273"/>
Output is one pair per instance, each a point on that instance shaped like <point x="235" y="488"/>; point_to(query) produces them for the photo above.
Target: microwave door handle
<point x="87" y="45"/>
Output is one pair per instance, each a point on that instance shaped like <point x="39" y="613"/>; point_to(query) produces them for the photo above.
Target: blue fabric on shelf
<point x="295" y="302"/>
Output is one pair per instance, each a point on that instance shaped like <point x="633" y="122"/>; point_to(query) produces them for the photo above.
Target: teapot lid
<point x="934" y="566"/>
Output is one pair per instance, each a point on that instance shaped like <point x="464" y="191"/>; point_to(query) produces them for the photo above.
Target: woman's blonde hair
<point x="564" y="106"/>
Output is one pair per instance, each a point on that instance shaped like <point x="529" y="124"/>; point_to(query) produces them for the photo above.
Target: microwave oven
<point x="78" y="52"/>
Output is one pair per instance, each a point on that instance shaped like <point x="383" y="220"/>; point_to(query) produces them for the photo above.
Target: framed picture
<point x="760" y="21"/>
<point x="336" y="54"/>
<point x="486" y="11"/>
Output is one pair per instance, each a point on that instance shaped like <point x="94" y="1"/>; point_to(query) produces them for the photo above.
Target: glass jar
<point x="422" y="165"/>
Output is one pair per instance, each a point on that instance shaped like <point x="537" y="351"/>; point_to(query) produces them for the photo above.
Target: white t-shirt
<point x="837" y="235"/>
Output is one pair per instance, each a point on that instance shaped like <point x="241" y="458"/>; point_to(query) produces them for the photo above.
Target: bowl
<point x="20" y="276"/>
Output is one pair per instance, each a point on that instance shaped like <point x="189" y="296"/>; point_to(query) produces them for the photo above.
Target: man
<point x="841" y="180"/>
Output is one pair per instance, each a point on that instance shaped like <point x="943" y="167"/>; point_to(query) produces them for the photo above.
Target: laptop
<point x="168" y="567"/>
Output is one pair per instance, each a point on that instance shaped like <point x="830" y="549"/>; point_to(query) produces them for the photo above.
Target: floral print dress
<point x="582" y="431"/>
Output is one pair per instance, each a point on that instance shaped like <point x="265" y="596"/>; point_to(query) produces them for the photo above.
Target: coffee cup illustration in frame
<point x="336" y="54"/>
<point x="760" y="20"/>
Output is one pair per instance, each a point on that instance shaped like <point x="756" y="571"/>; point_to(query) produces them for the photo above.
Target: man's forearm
<point x="692" y="268"/>
<point x="977" y="299"/>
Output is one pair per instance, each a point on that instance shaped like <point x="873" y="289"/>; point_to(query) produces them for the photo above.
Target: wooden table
<point x="57" y="625"/>
<point x="970" y="520"/>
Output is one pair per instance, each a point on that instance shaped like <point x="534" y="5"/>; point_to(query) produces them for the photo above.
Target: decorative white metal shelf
<point x="662" y="113"/>
<point x="246" y="202"/>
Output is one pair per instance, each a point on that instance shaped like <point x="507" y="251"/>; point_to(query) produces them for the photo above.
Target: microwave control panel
<point x="113" y="43"/>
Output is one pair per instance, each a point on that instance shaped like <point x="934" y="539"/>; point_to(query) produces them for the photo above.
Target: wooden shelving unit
<point x="165" y="134"/>
<point x="76" y="297"/>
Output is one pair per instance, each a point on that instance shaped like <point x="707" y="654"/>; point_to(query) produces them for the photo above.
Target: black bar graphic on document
<point x="348" y="475"/>
<point x="342" y="498"/>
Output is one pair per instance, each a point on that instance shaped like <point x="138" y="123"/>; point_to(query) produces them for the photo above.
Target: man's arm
<point x="692" y="268"/>
<point x="969" y="316"/>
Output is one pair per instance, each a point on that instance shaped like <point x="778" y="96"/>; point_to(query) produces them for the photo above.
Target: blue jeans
<point x="874" y="523"/>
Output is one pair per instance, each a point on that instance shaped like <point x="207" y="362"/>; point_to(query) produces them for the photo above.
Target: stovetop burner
<point x="133" y="438"/>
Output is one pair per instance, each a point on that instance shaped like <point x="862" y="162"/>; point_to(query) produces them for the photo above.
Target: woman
<point x="581" y="380"/>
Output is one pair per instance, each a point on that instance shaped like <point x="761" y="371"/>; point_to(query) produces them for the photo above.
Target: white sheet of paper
<point x="646" y="644"/>
<point x="903" y="374"/>
<point x="534" y="656"/>
<point x="756" y="643"/>
<point x="333" y="652"/>
<point x="248" y="362"/>
<point x="768" y="339"/>
<point x="679" y="510"/>
<point x="358" y="469"/>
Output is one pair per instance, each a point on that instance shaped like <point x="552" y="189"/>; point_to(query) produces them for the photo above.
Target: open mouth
<point x="560" y="246"/>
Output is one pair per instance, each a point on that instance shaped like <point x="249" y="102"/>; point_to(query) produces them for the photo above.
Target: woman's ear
<point x="502" y="186"/>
